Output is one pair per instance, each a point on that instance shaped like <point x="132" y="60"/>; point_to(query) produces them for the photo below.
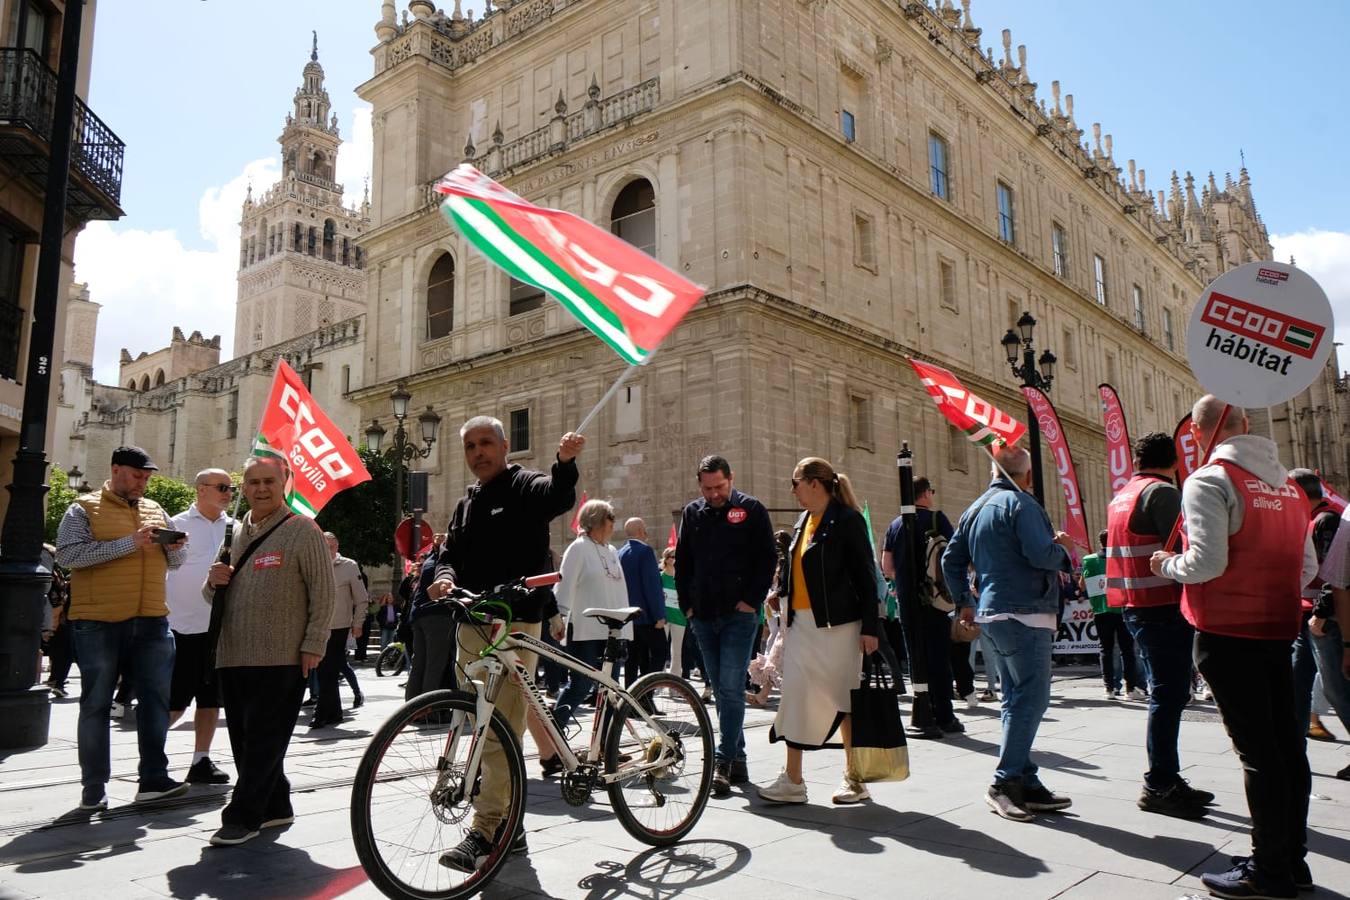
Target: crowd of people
<point x="1247" y="599"/>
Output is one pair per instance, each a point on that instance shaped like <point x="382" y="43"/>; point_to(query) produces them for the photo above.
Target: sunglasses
<point x="222" y="488"/>
<point x="797" y="481"/>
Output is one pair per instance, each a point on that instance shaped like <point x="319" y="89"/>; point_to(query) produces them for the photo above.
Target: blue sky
<point x="201" y="97"/>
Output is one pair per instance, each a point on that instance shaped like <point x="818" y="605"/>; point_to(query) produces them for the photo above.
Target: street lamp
<point x="74" y="478"/>
<point x="403" y="451"/>
<point x="1036" y="373"/>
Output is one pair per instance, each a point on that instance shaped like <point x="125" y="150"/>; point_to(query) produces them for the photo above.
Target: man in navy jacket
<point x="724" y="565"/>
<point x="647" y="651"/>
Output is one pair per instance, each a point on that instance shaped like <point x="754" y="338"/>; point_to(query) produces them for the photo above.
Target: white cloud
<point x="1325" y="255"/>
<point x="148" y="281"/>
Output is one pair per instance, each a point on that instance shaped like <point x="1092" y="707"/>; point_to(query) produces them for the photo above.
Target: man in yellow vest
<point x="111" y="543"/>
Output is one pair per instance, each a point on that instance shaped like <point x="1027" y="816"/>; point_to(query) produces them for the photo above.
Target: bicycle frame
<point x="488" y="672"/>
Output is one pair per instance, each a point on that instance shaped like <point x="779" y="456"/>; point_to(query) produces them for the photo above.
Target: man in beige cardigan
<point x="275" y="626"/>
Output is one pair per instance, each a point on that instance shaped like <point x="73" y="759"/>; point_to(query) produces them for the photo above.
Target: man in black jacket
<point x="498" y="533"/>
<point x="724" y="564"/>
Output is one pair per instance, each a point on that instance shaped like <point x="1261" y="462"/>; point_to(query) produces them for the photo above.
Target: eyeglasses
<point x="222" y="488"/>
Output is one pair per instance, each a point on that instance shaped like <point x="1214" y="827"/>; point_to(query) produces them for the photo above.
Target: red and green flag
<point x="627" y="299"/>
<point x="983" y="422"/>
<point x="322" y="461"/>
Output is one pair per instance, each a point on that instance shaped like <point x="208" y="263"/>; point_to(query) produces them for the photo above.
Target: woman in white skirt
<point x="830" y="616"/>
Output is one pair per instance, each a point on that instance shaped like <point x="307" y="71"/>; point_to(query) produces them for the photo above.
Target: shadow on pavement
<point x="226" y="873"/>
<point x="666" y="871"/>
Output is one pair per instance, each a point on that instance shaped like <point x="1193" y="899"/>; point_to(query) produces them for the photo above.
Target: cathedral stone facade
<point x="854" y="181"/>
<point x="300" y="267"/>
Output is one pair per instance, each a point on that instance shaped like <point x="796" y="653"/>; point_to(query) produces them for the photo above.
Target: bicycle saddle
<point x="614" y="618"/>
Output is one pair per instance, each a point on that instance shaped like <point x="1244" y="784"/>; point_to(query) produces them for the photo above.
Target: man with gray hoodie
<point x="1246" y="557"/>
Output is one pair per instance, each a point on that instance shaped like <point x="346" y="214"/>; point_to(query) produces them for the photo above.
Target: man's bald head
<point x="1208" y="412"/>
<point x="636" y="529"/>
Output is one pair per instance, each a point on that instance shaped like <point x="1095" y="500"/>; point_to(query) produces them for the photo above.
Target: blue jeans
<point x="579" y="686"/>
<point x="726" y="643"/>
<point x="1334" y="685"/>
<point x="1165" y="639"/>
<point x="386" y="635"/>
<point x="143" y="648"/>
<point x="1022" y="655"/>
<point x="1305" y="671"/>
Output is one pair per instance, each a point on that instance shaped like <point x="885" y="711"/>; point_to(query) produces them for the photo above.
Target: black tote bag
<point x="879" y="751"/>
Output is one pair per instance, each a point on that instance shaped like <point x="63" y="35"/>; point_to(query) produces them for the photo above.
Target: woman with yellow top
<point x="830" y="616"/>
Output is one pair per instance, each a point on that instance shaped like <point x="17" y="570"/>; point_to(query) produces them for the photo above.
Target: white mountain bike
<point x="651" y="749"/>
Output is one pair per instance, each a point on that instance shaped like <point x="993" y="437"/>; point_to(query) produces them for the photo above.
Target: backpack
<point x="932" y="585"/>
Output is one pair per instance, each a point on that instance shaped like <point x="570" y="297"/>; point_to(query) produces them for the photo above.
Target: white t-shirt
<point x="1048" y="621"/>
<point x="591" y="577"/>
<point x="189" y="613"/>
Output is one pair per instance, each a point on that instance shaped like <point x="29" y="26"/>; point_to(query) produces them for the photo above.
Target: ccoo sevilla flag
<point x="629" y="300"/>
<point x="323" y="463"/>
<point x="982" y="422"/>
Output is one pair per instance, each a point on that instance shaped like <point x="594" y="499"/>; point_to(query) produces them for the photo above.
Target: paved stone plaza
<point x="931" y="836"/>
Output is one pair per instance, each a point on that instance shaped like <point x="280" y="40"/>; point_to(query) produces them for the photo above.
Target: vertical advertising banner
<point x="1118" y="462"/>
<point x="1046" y="418"/>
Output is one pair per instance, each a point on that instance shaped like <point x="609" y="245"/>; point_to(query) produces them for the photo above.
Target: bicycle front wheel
<point x="411" y="802"/>
<point x="660" y="805"/>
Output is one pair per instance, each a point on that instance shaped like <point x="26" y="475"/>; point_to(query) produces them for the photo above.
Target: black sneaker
<point x="359" y="700"/>
<point x="721" y="782"/>
<point x="519" y="845"/>
<point x="1245" y="881"/>
<point x="204" y="771"/>
<point x="471" y="853"/>
<point x="160" y="789"/>
<point x="1041" y="799"/>
<point x="1173" y="802"/>
<point x="739" y="773"/>
<point x="1006" y="799"/>
<point x="953" y="727"/>
<point x="93" y="798"/>
<point x="551" y="765"/>
<point x="1298" y="872"/>
<point x="1196" y="796"/>
<point x="232" y="835"/>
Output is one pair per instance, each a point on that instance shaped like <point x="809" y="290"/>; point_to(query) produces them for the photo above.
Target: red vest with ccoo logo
<point x="1257" y="596"/>
<point x="1128" y="579"/>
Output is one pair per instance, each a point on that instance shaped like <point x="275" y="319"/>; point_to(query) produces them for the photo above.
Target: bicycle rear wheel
<point x="410" y="803"/>
<point x="660" y="806"/>
<point x="389" y="660"/>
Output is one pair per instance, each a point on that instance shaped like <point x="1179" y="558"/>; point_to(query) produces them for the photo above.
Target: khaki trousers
<point x="494" y="797"/>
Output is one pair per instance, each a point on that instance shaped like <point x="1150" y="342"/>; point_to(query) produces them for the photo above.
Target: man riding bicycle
<point x="499" y="533"/>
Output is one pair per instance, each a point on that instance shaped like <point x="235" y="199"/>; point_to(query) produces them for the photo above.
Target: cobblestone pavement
<point x="930" y="836"/>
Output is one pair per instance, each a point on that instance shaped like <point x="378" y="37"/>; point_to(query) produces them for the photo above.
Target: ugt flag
<point x="629" y="300"/>
<point x="982" y="422"/>
<point x="323" y="463"/>
<point x="1119" y="461"/>
<point x="1075" y="522"/>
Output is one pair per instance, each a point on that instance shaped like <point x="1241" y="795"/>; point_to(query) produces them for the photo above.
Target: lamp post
<point x="24" y="580"/>
<point x="74" y="478"/>
<point x="404" y="450"/>
<point x="1036" y="373"/>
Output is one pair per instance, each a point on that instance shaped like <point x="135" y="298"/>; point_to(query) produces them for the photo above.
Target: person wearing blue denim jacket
<point x="1007" y="538"/>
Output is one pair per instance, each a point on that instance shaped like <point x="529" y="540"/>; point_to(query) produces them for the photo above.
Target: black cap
<point x="134" y="457"/>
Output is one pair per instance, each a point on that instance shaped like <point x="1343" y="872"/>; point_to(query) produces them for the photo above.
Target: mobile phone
<point x="168" y="536"/>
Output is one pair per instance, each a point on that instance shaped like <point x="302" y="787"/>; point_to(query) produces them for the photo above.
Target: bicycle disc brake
<point x="444" y="805"/>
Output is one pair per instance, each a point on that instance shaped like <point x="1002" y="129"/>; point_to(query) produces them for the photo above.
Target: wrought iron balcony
<point x="27" y="97"/>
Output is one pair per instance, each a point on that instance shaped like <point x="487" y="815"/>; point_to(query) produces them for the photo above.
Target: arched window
<point x="159" y="378"/>
<point x="633" y="216"/>
<point x="441" y="298"/>
<point x="145" y="382"/>
<point x="346" y="252"/>
<point x="312" y="237"/>
<point x="299" y="237"/>
<point x="329" y="233"/>
<point x="522" y="298"/>
<point x="131" y="385"/>
<point x="360" y="258"/>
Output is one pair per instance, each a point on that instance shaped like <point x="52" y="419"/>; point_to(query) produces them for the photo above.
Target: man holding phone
<point x="110" y="541"/>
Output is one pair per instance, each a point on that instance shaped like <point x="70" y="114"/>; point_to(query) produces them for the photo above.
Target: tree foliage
<point x="170" y="493"/>
<point x="363" y="517"/>
<point x="59" y="498"/>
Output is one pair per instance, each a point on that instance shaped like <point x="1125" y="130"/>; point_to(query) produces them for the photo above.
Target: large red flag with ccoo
<point x="627" y="299"/>
<point x="323" y="463"/>
<point x="982" y="422"/>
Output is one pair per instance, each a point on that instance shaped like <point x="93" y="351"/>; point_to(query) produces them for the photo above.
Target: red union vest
<point x="1257" y="596"/>
<point x="1128" y="579"/>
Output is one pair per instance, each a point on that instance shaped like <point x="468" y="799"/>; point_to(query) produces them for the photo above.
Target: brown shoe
<point x="1317" y="731"/>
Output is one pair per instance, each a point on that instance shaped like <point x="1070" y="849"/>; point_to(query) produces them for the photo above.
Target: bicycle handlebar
<point x="468" y="602"/>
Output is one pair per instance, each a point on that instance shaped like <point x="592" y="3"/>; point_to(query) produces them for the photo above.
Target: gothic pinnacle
<point x="314" y="48"/>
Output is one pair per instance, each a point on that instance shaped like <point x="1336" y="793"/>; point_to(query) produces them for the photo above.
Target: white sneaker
<point x="1137" y="694"/>
<point x="972" y="701"/>
<point x="783" y="790"/>
<point x="850" y="790"/>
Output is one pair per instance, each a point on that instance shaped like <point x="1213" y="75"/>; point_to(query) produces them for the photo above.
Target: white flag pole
<point x="609" y="394"/>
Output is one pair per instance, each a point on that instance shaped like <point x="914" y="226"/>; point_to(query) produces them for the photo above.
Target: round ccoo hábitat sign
<point x="1260" y="334"/>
